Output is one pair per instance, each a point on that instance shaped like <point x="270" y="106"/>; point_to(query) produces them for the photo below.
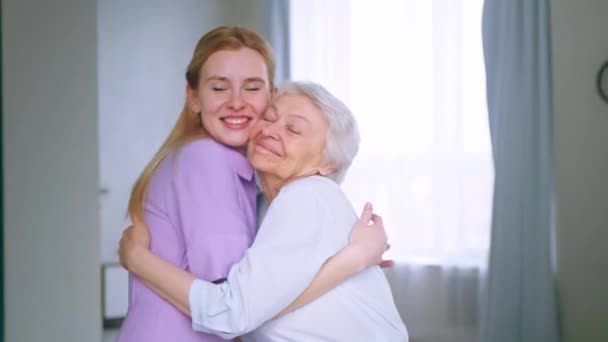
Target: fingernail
<point x="368" y="206"/>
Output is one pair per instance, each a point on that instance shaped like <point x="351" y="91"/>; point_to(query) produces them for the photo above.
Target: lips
<point x="236" y="121"/>
<point x="267" y="148"/>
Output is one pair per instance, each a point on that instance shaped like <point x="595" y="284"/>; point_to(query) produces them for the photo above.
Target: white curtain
<point x="413" y="74"/>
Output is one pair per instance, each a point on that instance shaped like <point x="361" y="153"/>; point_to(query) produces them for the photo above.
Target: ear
<point x="193" y="101"/>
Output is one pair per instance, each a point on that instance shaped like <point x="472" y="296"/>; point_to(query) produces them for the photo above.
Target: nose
<point x="235" y="102"/>
<point x="271" y="130"/>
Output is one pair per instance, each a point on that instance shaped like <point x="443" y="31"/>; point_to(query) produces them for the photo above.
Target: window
<point x="413" y="74"/>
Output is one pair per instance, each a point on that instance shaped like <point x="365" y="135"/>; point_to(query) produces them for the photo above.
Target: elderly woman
<point x="301" y="148"/>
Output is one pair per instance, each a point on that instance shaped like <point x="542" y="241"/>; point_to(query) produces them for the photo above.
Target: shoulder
<point x="210" y="156"/>
<point x="316" y="186"/>
<point x="309" y="209"/>
<point x="297" y="213"/>
<point x="311" y="190"/>
<point x="203" y="150"/>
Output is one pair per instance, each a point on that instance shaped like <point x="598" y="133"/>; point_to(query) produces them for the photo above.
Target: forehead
<point x="297" y="105"/>
<point x="242" y="62"/>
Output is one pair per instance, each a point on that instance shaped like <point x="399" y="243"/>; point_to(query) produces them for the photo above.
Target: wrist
<point x="136" y="256"/>
<point x="356" y="257"/>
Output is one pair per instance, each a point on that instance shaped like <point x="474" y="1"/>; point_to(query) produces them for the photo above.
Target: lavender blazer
<point x="200" y="211"/>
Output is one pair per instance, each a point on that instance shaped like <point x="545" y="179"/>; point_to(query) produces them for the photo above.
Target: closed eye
<point x="254" y="85"/>
<point x="293" y="130"/>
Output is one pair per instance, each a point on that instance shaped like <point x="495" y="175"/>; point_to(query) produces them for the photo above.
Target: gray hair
<point x="342" y="140"/>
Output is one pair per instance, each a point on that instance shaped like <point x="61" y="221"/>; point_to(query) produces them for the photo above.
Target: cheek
<point x="310" y="154"/>
<point x="256" y="129"/>
<point x="210" y="103"/>
<point x="210" y="107"/>
<point x="259" y="103"/>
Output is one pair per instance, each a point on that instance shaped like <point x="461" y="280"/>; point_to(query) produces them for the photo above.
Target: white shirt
<point x="308" y="222"/>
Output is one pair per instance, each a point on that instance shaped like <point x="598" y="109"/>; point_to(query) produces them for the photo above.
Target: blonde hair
<point x="188" y="127"/>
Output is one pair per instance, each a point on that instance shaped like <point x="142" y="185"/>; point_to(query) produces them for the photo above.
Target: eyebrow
<point x="225" y="79"/>
<point x="298" y="116"/>
<point x="255" y="79"/>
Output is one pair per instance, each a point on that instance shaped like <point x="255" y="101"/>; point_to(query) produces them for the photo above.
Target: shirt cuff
<point x="209" y="312"/>
<point x="197" y="298"/>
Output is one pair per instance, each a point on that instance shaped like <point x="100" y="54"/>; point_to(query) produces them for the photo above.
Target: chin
<point x="235" y="142"/>
<point x="255" y="162"/>
<point x="259" y="163"/>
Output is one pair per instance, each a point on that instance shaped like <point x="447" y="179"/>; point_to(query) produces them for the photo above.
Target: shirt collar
<point x="242" y="166"/>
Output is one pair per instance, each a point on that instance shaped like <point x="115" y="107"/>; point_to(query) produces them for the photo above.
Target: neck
<point x="271" y="185"/>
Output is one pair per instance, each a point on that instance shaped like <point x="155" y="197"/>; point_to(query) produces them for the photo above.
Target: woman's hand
<point x="134" y="239"/>
<point x="369" y="239"/>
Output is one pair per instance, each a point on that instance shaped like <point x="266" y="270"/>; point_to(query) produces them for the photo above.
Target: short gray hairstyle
<point x="342" y="140"/>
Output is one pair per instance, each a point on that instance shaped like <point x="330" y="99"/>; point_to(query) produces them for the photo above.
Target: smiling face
<point x="288" y="142"/>
<point x="232" y="93"/>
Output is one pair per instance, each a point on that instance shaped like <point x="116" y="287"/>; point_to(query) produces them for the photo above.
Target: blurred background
<point x="90" y="89"/>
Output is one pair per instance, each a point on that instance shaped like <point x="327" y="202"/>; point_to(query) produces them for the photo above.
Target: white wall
<point x="144" y="49"/>
<point x="580" y="45"/>
<point x="51" y="260"/>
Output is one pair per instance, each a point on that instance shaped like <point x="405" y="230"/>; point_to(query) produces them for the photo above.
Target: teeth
<point x="235" y="121"/>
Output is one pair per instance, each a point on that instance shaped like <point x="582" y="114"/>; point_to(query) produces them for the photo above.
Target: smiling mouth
<point x="267" y="149"/>
<point x="236" y="122"/>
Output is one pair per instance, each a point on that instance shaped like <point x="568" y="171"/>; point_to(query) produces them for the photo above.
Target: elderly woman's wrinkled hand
<point x="134" y="239"/>
<point x="369" y="239"/>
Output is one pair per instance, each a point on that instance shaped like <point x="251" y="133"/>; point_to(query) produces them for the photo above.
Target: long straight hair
<point x="188" y="127"/>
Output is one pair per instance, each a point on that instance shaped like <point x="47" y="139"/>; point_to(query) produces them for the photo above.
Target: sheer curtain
<point x="413" y="74"/>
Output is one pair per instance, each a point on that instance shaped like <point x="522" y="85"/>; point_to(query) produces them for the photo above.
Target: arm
<point x="208" y="216"/>
<point x="167" y="280"/>
<point x="365" y="248"/>
<point x="265" y="281"/>
<point x="290" y="235"/>
<point x="260" y="285"/>
<point x="287" y="237"/>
